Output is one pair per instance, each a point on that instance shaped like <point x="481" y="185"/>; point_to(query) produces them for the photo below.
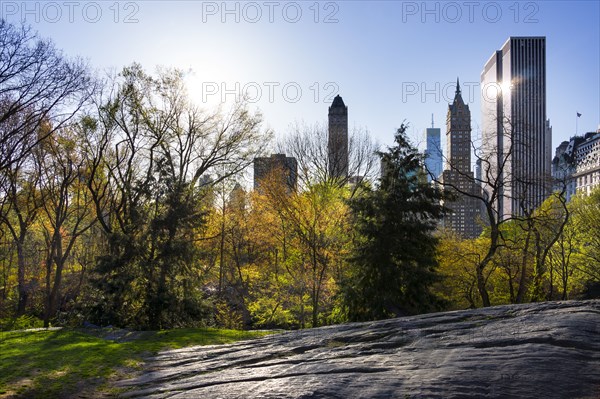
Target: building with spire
<point x="433" y="152"/>
<point x="457" y="177"/>
<point x="515" y="131"/>
<point x="337" y="142"/>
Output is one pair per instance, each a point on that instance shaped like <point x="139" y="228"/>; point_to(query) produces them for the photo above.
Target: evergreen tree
<point x="393" y="262"/>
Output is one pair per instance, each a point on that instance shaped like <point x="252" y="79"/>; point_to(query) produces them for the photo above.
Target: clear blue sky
<point x="389" y="60"/>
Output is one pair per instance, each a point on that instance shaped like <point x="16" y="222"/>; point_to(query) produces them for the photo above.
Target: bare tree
<point x="40" y="93"/>
<point x="309" y="145"/>
<point x="494" y="163"/>
<point x="529" y="247"/>
<point x="490" y="188"/>
<point x="502" y="180"/>
<point x="38" y="85"/>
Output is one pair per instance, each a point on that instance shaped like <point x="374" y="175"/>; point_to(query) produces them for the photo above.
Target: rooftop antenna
<point x="432" y="121"/>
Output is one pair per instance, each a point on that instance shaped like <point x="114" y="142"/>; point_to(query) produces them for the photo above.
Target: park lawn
<point x="61" y="363"/>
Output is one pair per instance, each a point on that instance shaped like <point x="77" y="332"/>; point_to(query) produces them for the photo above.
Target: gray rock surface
<point x="544" y="350"/>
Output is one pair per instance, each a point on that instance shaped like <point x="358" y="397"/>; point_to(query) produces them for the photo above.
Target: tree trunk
<point x="57" y="258"/>
<point x="315" y="290"/>
<point x="23" y="292"/>
<point x="494" y="236"/>
<point x="523" y="278"/>
<point x="54" y="294"/>
<point x="538" y="274"/>
<point x="485" y="298"/>
<point x="551" y="292"/>
<point x="564" y="262"/>
<point x="48" y="303"/>
<point x="511" y="285"/>
<point x="221" y="256"/>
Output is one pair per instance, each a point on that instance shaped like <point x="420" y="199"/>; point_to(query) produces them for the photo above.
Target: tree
<point x="38" y="85"/>
<point x="67" y="206"/>
<point x="19" y="208"/>
<point x="457" y="258"/>
<point x="548" y="224"/>
<point x="562" y="266"/>
<point x="315" y="231"/>
<point x="156" y="159"/>
<point x="494" y="165"/>
<point x="501" y="180"/>
<point x="40" y="92"/>
<point x="308" y="144"/>
<point x="278" y="285"/>
<point x="393" y="264"/>
<point x="237" y="253"/>
<point x="586" y="222"/>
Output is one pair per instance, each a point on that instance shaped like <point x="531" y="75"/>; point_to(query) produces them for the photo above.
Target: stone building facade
<point x="457" y="177"/>
<point x="337" y="141"/>
<point x="576" y="164"/>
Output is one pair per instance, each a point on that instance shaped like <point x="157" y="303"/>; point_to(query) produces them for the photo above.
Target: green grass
<point x="50" y="364"/>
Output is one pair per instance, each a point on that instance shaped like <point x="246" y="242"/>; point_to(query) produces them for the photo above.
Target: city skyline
<point x="393" y="61"/>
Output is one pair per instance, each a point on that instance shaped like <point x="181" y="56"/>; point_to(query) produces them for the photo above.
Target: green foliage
<point x="228" y="317"/>
<point x="550" y="254"/>
<point x="586" y="222"/>
<point x="269" y="312"/>
<point x="20" y="323"/>
<point x="308" y="233"/>
<point x="394" y="260"/>
<point x="457" y="260"/>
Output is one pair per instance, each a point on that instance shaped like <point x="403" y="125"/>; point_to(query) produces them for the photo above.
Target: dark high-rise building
<point x="337" y="143"/>
<point x="516" y="138"/>
<point x="279" y="167"/>
<point x="457" y="176"/>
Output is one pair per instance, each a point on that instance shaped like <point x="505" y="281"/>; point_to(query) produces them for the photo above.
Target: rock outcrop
<point x="543" y="350"/>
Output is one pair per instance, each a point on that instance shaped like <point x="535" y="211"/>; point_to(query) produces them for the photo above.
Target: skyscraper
<point x="457" y="176"/>
<point x="433" y="152"/>
<point x="516" y="148"/>
<point x="337" y="143"/>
